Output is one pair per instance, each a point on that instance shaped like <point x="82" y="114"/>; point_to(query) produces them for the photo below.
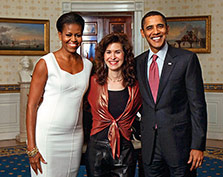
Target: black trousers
<point x="159" y="167"/>
<point x="100" y="163"/>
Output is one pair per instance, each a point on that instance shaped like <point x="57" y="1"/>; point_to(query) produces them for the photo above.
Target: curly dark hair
<point x="128" y="66"/>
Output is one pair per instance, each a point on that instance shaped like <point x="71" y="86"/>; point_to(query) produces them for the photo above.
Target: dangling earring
<point x="105" y="66"/>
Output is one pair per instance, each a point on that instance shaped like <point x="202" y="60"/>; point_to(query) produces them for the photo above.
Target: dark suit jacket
<point x="180" y="110"/>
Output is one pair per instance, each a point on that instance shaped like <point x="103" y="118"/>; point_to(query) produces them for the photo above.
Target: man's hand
<point x="196" y="159"/>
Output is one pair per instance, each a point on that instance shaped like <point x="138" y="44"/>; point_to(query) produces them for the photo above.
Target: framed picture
<point x="24" y="37"/>
<point x="88" y="49"/>
<point x="90" y="29"/>
<point x="191" y="33"/>
<point x="118" y="27"/>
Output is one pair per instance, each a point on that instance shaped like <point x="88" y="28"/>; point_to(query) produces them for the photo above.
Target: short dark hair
<point x="152" y="13"/>
<point x="128" y="67"/>
<point x="69" y="18"/>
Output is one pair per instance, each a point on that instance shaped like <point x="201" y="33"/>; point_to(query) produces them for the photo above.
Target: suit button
<point x="142" y="128"/>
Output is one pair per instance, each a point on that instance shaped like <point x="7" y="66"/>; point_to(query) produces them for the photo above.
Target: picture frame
<point x="191" y="33"/>
<point x="90" y="29"/>
<point x="24" y="36"/>
<point x="117" y="27"/>
<point x="88" y="49"/>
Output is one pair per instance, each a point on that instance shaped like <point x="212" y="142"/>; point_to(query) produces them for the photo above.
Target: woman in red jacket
<point x="114" y="99"/>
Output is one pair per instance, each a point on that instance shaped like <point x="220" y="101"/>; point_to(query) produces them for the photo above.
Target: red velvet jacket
<point x="98" y="100"/>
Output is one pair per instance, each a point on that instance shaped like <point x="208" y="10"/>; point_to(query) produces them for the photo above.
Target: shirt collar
<point x="161" y="54"/>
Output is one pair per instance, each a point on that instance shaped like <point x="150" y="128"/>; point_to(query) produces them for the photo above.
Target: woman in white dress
<point x="54" y="126"/>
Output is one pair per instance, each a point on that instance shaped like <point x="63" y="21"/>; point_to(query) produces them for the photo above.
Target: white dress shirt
<point x="160" y="59"/>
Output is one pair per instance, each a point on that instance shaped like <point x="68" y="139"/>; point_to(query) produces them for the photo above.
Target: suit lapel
<point x="146" y="88"/>
<point x="168" y="66"/>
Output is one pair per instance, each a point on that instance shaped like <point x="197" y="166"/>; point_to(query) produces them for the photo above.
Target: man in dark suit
<point x="174" y="116"/>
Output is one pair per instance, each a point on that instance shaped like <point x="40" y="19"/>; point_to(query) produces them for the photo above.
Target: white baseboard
<point x="9" y="115"/>
<point x="215" y="115"/>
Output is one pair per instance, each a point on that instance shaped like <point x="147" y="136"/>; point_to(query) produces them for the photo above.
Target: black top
<point x="117" y="101"/>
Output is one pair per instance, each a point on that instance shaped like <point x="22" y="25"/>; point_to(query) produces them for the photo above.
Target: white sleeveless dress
<point x="59" y="131"/>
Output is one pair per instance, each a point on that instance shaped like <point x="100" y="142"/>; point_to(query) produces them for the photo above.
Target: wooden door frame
<point x="136" y="6"/>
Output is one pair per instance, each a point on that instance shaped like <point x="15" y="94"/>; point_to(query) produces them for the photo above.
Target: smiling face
<point x="71" y="37"/>
<point x="155" y="31"/>
<point x="114" y="56"/>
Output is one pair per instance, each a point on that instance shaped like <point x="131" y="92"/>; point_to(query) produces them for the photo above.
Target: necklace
<point x="117" y="80"/>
